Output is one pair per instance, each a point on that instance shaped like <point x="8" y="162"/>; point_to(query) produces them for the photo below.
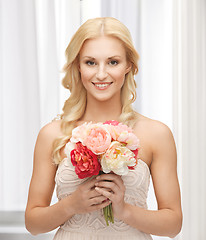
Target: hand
<point x="86" y="199"/>
<point x="112" y="187"/>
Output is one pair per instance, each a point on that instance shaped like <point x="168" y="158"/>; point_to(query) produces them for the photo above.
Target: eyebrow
<point x="115" y="56"/>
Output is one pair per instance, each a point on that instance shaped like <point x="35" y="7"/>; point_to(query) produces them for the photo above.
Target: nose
<point x="101" y="72"/>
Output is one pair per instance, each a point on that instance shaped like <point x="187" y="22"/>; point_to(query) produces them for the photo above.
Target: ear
<point x="129" y="67"/>
<point x="77" y="62"/>
<point x="79" y="67"/>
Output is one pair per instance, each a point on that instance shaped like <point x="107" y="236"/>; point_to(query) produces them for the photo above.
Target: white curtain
<point x="34" y="35"/>
<point x="20" y="100"/>
<point x="46" y="41"/>
<point x="33" y="38"/>
<point x="190" y="111"/>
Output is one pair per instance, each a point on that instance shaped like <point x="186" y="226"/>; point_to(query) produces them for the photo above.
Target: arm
<point x="167" y="220"/>
<point x="39" y="215"/>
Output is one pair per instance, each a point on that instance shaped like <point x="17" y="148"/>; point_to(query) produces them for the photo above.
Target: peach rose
<point x="97" y="139"/>
<point x="79" y="133"/>
<point x="130" y="139"/>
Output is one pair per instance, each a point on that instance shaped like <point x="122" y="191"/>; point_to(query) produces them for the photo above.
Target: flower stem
<point x="108" y="214"/>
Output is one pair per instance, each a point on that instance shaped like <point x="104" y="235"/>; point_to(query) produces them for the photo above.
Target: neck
<point x="101" y="111"/>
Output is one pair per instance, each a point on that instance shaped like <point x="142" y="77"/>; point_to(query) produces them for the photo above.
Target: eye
<point x="90" y="63"/>
<point x="113" y="62"/>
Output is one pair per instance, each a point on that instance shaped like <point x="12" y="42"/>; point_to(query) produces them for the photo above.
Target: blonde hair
<point x="75" y="105"/>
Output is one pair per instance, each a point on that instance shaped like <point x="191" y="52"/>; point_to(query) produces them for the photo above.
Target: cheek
<point x="86" y="74"/>
<point x="119" y="75"/>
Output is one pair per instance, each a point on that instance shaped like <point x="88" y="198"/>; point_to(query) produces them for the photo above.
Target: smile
<point x="102" y="86"/>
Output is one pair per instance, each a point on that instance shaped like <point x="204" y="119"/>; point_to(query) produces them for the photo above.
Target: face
<point x="103" y="65"/>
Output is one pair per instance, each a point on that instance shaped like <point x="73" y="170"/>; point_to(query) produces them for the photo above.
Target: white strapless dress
<point x="92" y="226"/>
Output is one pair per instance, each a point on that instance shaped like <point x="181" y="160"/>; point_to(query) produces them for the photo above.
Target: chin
<point x="109" y="97"/>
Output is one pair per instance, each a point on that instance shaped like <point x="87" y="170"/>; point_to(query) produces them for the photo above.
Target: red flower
<point x="136" y="154"/>
<point x="85" y="161"/>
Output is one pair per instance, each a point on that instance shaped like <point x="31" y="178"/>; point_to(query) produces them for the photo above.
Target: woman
<point x="100" y="69"/>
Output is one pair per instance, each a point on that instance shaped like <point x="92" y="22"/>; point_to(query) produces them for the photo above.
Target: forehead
<point x="103" y="46"/>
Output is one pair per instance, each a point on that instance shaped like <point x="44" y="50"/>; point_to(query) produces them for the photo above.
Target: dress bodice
<point x="92" y="225"/>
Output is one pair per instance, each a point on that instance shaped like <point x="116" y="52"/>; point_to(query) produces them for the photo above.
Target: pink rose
<point x="116" y="130"/>
<point x="85" y="161"/>
<point x="123" y="128"/>
<point x="112" y="122"/>
<point x="98" y="138"/>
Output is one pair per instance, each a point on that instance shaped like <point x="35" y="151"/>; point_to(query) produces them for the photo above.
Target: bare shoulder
<point x="51" y="130"/>
<point x="155" y="137"/>
<point x="46" y="137"/>
<point x="153" y="128"/>
<point x="44" y="146"/>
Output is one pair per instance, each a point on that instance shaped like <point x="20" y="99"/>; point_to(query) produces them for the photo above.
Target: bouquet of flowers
<point x="103" y="147"/>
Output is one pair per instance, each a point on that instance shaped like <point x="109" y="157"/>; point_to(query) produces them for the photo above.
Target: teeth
<point x="102" y="85"/>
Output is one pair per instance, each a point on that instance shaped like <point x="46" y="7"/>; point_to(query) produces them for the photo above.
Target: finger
<point x="88" y="184"/>
<point x="108" y="186"/>
<point x="93" y="193"/>
<point x="112" y="177"/>
<point x="109" y="177"/>
<point x="105" y="193"/>
<point x="98" y="200"/>
<point x="100" y="206"/>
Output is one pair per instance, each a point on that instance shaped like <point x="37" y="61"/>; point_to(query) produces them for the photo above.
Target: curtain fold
<point x="47" y="59"/>
<point x="68" y="20"/>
